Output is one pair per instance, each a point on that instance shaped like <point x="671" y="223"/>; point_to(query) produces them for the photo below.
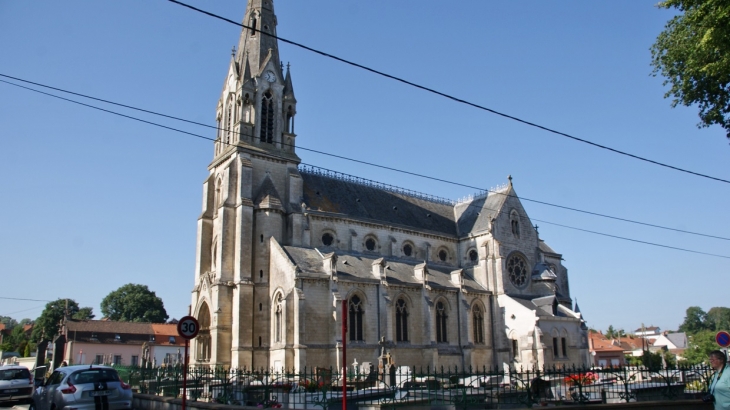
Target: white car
<point x="16" y="383"/>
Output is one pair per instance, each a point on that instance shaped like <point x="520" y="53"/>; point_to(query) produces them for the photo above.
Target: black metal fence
<point x="321" y="388"/>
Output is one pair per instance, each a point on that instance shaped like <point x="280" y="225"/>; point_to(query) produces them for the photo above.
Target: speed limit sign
<point x="188" y="327"/>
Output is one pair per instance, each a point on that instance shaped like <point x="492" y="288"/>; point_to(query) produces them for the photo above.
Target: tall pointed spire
<point x="255" y="45"/>
<point x="288" y="87"/>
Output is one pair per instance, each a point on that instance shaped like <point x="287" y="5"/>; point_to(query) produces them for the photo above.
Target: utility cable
<point x="211" y="139"/>
<point x="568" y="208"/>
<point x="631" y="239"/>
<point x="450" y="97"/>
<point x="32" y="300"/>
<point x="24" y="310"/>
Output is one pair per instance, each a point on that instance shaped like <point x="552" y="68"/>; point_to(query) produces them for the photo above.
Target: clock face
<point x="270" y="76"/>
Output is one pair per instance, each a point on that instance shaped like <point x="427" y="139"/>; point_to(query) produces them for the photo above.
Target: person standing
<point x="720" y="383"/>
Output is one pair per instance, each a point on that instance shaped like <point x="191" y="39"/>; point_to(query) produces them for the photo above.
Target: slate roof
<point x="358" y="267"/>
<point x="679" y="339"/>
<point x="542" y="272"/>
<point x="475" y="214"/>
<point x="545" y="248"/>
<point x="356" y="200"/>
<point x="540" y="304"/>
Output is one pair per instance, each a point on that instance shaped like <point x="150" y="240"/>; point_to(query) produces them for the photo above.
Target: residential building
<point x="675" y="343"/>
<point x="648" y="331"/>
<point x="120" y="343"/>
<point x="605" y="352"/>
<point x="281" y="247"/>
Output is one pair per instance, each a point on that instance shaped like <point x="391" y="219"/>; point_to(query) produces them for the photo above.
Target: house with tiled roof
<point x="120" y="343"/>
<point x="605" y="352"/>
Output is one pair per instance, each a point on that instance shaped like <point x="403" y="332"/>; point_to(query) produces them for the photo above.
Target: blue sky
<point x="92" y="201"/>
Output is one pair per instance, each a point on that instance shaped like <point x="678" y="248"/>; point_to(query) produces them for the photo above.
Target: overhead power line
<point x="31" y="300"/>
<point x="376" y="165"/>
<point x="630" y="239"/>
<point x="23" y="310"/>
<point x="456" y="99"/>
<point x="568" y="208"/>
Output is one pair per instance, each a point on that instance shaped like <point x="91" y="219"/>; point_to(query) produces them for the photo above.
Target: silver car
<point x="16" y="383"/>
<point x="83" y="388"/>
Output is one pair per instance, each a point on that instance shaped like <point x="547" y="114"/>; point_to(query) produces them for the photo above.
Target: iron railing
<point x="321" y="388"/>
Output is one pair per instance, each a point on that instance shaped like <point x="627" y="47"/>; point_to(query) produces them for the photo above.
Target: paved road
<point x="14" y="406"/>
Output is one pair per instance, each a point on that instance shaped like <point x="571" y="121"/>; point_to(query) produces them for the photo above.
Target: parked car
<point x="83" y="388"/>
<point x="16" y="383"/>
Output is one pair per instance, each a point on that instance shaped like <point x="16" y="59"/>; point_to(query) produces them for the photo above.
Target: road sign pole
<point x="188" y="328"/>
<point x="185" y="374"/>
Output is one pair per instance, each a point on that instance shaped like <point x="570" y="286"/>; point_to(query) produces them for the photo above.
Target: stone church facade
<point x="280" y="246"/>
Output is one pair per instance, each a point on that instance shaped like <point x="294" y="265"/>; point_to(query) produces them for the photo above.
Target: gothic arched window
<point x="290" y="120"/>
<point x="478" y="324"/>
<point x="267" y="118"/>
<point x="217" y="196"/>
<point x="441" y="316"/>
<point x="278" y="322"/>
<point x="355" y="319"/>
<point x="229" y="122"/>
<point x="203" y="339"/>
<point x="254" y="22"/>
<point x="401" y="321"/>
<point x="515" y="223"/>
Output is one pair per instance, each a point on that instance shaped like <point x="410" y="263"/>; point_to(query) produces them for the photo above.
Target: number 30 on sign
<point x="188" y="327"/>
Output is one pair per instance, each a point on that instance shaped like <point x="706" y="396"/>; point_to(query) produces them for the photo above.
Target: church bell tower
<point x="250" y="197"/>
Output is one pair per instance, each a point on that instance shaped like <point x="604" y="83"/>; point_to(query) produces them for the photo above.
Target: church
<point x="430" y="281"/>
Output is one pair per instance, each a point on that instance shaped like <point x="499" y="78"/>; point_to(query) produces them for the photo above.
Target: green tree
<point x="18" y="339"/>
<point x="134" y="303"/>
<point x="47" y="325"/>
<point x="652" y="361"/>
<point x="695" y="320"/>
<point x="84" y="313"/>
<point x="8" y="321"/>
<point x="693" y="54"/>
<point x="613" y="333"/>
<point x="670" y="359"/>
<point x="719" y="318"/>
<point x="699" y="345"/>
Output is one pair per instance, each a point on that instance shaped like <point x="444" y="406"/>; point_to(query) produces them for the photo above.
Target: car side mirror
<point x="39" y="382"/>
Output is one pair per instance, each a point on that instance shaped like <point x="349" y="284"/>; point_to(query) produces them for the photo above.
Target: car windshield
<point x="94" y="376"/>
<point x="14" y="374"/>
